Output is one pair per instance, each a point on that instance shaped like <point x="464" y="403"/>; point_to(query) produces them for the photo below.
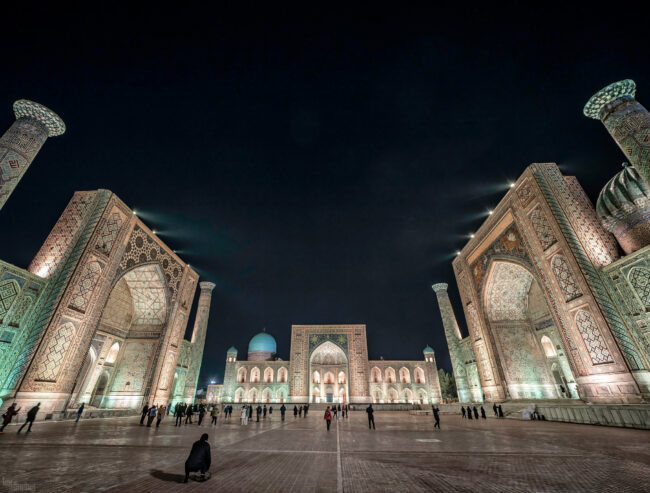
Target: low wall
<point x="623" y="415"/>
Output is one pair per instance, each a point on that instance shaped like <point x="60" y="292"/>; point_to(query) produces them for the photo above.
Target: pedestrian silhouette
<point x="199" y="458"/>
<point x="371" y="417"/>
<point x="31" y="416"/>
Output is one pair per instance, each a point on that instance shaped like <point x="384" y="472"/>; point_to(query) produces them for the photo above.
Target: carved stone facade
<point x="329" y="363"/>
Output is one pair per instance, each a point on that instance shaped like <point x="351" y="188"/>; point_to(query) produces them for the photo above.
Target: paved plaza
<point x="403" y="454"/>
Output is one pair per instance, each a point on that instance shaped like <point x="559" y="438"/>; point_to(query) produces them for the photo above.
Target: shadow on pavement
<point x="165" y="476"/>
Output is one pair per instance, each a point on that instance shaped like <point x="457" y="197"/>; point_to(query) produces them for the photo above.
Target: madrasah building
<point x="555" y="291"/>
<point x="328" y="364"/>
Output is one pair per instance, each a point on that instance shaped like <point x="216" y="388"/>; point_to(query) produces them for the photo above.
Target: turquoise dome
<point x="262" y="342"/>
<point x="428" y="349"/>
<point x="232" y="349"/>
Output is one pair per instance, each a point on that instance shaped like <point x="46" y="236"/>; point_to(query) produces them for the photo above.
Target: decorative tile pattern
<point x="542" y="228"/>
<point x="507" y="292"/>
<point x="168" y="371"/>
<point x="341" y="340"/>
<point x="23" y="307"/>
<point x="328" y="353"/>
<point x="9" y="290"/>
<point x="525" y="193"/>
<point x="565" y="279"/>
<point x="84" y="289"/>
<point x="148" y="292"/>
<point x="23" y="108"/>
<point x="109" y="233"/>
<point x="50" y="363"/>
<point x="60" y="239"/>
<point x="133" y="367"/>
<point x="474" y="322"/>
<point x="592" y="338"/>
<point x="522" y="360"/>
<point x="142" y="249"/>
<point x="639" y="278"/>
<point x="509" y="243"/>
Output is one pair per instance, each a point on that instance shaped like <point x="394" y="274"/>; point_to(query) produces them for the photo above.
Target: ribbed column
<point x="20" y="144"/>
<point x="452" y="333"/>
<point x="198" y="339"/>
<point x="626" y="120"/>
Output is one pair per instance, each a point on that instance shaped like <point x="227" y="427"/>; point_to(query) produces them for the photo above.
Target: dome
<point x="232" y="349"/>
<point x="623" y="207"/>
<point x="428" y="349"/>
<point x="262" y="342"/>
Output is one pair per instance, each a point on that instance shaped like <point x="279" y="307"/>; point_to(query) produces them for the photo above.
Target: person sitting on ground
<point x="199" y="459"/>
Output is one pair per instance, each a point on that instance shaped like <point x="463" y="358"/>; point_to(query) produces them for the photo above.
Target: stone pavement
<point x="403" y="454"/>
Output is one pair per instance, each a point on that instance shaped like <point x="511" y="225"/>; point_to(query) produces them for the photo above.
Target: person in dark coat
<point x="199" y="459"/>
<point x="153" y="410"/>
<point x="179" y="411"/>
<point x="258" y="411"/>
<point x="188" y="414"/>
<point x="201" y="413"/>
<point x="300" y="412"/>
<point x="264" y="410"/>
<point x="483" y="413"/>
<point x="500" y="411"/>
<point x="462" y="410"/>
<point x="371" y="417"/>
<point x="80" y="411"/>
<point x="144" y="413"/>
<point x="469" y="412"/>
<point x="295" y="411"/>
<point x="306" y="409"/>
<point x="283" y="410"/>
<point x="328" y="418"/>
<point x="436" y="416"/>
<point x="8" y="416"/>
<point x="494" y="408"/>
<point x="31" y="416"/>
<point x="475" y="413"/>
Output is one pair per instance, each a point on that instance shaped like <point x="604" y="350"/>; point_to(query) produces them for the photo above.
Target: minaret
<point x="452" y="332"/>
<point x="626" y="120"/>
<point x="20" y="144"/>
<point x="198" y="339"/>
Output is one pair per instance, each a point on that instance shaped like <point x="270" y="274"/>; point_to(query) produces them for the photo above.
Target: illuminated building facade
<point x="553" y="309"/>
<point x="328" y="364"/>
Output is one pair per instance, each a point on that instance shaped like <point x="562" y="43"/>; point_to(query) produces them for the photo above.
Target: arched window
<point x="375" y="375"/>
<point x="112" y="353"/>
<point x="241" y="376"/>
<point x="282" y="375"/>
<point x="316" y="377"/>
<point x="252" y="395"/>
<point x="392" y="395"/>
<point x="342" y="377"/>
<point x="404" y="375"/>
<point x="267" y="395"/>
<point x="390" y="375"/>
<point x="329" y="377"/>
<point x="419" y="375"/>
<point x="255" y="375"/>
<point x="239" y="395"/>
<point x="549" y="350"/>
<point x="268" y="375"/>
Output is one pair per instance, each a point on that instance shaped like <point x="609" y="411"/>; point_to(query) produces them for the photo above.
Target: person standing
<point x="214" y="414"/>
<point x="264" y="412"/>
<point x="436" y="416"/>
<point x="80" y="411"/>
<point x="462" y="410"/>
<point x="31" y="416"/>
<point x="283" y="410"/>
<point x="229" y="412"/>
<point x="500" y="411"/>
<point x="494" y="408"/>
<point x="188" y="413"/>
<point x="300" y="412"/>
<point x="161" y="413"/>
<point x="475" y="413"/>
<point x="328" y="418"/>
<point x="178" y="414"/>
<point x="199" y="458"/>
<point x="8" y="416"/>
<point x="144" y="413"/>
<point x="483" y="413"/>
<point x="152" y="414"/>
<point x="295" y="411"/>
<point x="258" y="411"/>
<point x="201" y="413"/>
<point x="244" y="415"/>
<point x="270" y="411"/>
<point x="469" y="412"/>
<point x="371" y="417"/>
<point x="335" y="413"/>
<point x="306" y="409"/>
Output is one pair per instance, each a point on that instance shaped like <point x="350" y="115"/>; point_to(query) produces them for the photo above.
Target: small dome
<point x="428" y="349"/>
<point x="262" y="342"/>
<point x="623" y="207"/>
<point x="232" y="349"/>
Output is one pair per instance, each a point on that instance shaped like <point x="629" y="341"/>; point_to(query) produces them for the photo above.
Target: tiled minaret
<point x="198" y="339"/>
<point x="20" y="144"/>
<point x="452" y="332"/>
<point x="626" y="120"/>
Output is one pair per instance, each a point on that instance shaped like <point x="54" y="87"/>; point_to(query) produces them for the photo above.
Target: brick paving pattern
<point x="404" y="454"/>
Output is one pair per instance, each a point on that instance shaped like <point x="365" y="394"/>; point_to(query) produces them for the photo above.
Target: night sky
<point x="320" y="166"/>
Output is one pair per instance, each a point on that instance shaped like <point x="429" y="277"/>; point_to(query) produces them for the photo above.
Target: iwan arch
<point x="554" y="311"/>
<point x="100" y="314"/>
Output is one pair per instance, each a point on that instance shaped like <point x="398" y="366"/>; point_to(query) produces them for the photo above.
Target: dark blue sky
<point x="321" y="166"/>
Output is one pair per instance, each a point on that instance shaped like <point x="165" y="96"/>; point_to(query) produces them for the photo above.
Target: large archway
<point x="330" y="362"/>
<point x="132" y="323"/>
<point x="519" y="319"/>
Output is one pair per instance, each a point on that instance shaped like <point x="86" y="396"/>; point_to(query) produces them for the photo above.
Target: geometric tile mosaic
<point x="593" y="338"/>
<point x="9" y="290"/>
<point x="508" y="243"/>
<point x="542" y="228"/>
<point x="507" y="292"/>
<point x="640" y="280"/>
<point x="565" y="279"/>
<point x="84" y="289"/>
<point x="109" y="232"/>
<point x="50" y="363"/>
<point x="133" y="367"/>
<point x="148" y="293"/>
<point x="20" y="311"/>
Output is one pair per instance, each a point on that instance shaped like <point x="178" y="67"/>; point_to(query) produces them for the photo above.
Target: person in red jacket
<point x="328" y="417"/>
<point x="9" y="414"/>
